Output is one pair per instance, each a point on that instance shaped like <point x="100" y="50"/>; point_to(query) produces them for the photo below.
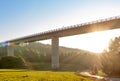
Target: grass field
<point x="25" y="75"/>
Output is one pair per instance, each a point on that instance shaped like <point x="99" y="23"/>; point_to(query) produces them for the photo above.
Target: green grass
<point x="25" y="75"/>
<point x="101" y="73"/>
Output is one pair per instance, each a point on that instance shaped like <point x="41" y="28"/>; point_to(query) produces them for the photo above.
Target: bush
<point x="10" y="62"/>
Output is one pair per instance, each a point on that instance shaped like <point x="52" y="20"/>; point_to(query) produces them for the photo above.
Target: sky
<point x="25" y="17"/>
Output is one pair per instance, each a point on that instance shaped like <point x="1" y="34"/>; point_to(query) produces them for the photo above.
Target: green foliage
<point x="101" y="73"/>
<point x="11" y="62"/>
<point x="3" y="51"/>
<point x="110" y="59"/>
<point x="38" y="56"/>
<point x="22" y="75"/>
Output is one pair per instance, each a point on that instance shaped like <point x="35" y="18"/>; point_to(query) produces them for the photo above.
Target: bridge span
<point x="99" y="25"/>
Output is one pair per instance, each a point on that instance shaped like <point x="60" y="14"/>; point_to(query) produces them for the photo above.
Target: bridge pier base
<point x="55" y="53"/>
<point x="10" y="51"/>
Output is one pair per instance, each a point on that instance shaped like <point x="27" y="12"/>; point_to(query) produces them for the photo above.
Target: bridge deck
<point x="100" y="25"/>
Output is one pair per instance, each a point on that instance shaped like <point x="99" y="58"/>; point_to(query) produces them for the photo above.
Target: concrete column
<point x="55" y="53"/>
<point x="10" y="50"/>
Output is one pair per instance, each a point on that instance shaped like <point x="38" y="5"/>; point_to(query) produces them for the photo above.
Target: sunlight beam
<point x="93" y="42"/>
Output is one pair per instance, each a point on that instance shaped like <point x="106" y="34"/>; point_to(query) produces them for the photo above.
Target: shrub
<point x="10" y="62"/>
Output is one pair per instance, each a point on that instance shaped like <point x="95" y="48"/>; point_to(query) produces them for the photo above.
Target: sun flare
<point x="93" y="42"/>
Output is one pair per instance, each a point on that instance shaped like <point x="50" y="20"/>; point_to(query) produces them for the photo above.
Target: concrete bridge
<point x="99" y="25"/>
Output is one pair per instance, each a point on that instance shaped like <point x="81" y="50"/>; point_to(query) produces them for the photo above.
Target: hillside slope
<point x="38" y="56"/>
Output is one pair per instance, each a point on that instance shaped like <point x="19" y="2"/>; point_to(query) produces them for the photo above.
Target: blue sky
<point x="25" y="17"/>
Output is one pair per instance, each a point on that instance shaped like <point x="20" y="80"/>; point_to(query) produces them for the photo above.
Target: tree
<point x="10" y="62"/>
<point x="110" y="58"/>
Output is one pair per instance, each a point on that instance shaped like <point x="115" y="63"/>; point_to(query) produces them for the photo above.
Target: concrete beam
<point x="10" y="50"/>
<point x="55" y="53"/>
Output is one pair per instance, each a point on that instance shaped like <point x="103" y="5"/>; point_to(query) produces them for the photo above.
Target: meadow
<point x="29" y="75"/>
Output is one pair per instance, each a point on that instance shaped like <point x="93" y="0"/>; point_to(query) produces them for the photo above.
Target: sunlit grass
<point x="101" y="73"/>
<point x="26" y="75"/>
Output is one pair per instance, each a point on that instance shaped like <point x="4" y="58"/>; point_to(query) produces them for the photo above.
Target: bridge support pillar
<point x="55" y="53"/>
<point x="10" y="51"/>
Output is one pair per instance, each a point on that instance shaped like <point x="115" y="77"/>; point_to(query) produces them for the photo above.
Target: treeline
<point x="38" y="56"/>
<point x="110" y="58"/>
